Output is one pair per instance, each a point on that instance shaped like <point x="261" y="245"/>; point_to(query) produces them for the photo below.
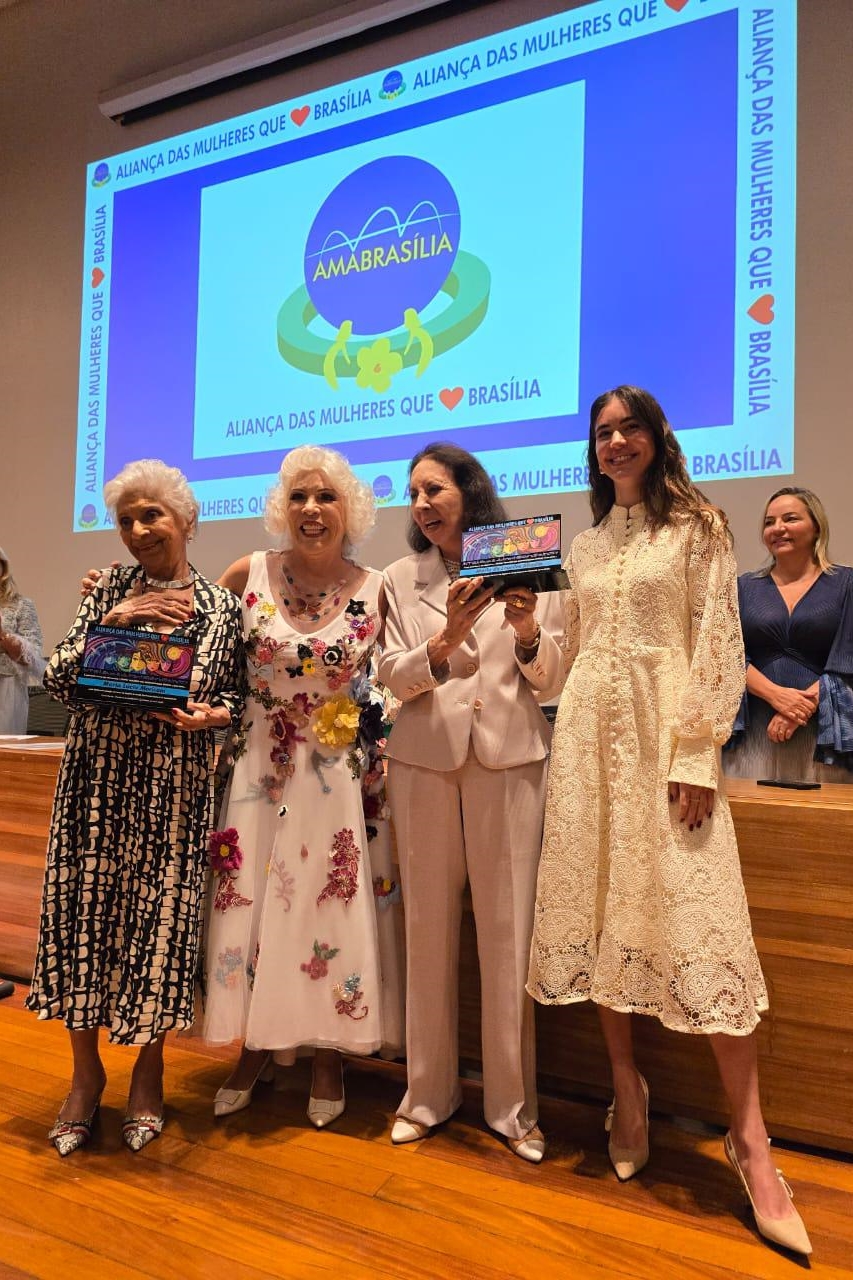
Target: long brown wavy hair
<point x="667" y="488"/>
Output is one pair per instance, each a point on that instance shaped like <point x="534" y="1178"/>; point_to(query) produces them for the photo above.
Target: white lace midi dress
<point x="634" y="910"/>
<point x="292" y="955"/>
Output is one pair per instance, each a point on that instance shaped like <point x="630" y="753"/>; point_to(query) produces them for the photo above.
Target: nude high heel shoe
<point x="789" y="1232"/>
<point x="627" y="1161"/>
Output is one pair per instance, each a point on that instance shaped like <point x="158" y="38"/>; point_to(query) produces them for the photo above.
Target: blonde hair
<point x="359" y="507"/>
<point x="815" y="508"/>
<point x="8" y="589"/>
<point x="151" y="478"/>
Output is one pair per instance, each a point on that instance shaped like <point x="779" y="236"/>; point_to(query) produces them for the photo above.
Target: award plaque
<point x="122" y="666"/>
<point x="515" y="553"/>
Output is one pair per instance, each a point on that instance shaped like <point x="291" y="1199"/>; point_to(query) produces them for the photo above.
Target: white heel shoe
<point x="323" y="1111"/>
<point x="408" y="1131"/>
<point x="529" y="1147"/>
<point x="227" y="1101"/>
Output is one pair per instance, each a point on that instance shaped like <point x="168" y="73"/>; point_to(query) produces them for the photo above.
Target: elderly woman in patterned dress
<point x="640" y="903"/>
<point x="126" y="859"/>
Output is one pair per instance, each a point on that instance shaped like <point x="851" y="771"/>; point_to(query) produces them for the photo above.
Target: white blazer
<point x="489" y="698"/>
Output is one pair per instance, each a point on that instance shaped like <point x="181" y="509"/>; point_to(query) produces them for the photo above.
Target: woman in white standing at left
<point x="21" y="661"/>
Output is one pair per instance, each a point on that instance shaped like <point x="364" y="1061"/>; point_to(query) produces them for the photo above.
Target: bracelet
<point x="531" y="645"/>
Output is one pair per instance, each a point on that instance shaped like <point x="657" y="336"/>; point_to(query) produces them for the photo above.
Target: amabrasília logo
<point x="88" y="517"/>
<point x="393" y="85"/>
<point x="381" y="257"/>
<point x="101" y="176"/>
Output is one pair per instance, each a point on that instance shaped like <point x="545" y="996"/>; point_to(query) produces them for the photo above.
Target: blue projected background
<point x="470" y="246"/>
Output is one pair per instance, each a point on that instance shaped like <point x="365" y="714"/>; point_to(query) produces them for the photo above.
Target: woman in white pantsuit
<point x="466" y="780"/>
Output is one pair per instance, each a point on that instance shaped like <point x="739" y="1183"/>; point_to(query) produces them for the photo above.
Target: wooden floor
<point x="262" y="1194"/>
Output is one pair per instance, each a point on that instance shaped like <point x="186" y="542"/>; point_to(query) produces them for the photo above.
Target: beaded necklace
<point x="452" y="566"/>
<point x="306" y="603"/>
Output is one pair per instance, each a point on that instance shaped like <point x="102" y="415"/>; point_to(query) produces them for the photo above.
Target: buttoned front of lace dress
<point x="634" y="910"/>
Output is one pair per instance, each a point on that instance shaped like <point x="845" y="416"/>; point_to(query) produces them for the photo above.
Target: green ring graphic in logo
<point x="415" y="343"/>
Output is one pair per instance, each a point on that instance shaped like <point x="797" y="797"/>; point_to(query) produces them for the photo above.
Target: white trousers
<point x="483" y="825"/>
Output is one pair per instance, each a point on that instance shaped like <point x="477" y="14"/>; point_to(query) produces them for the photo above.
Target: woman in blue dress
<point x="796" y="720"/>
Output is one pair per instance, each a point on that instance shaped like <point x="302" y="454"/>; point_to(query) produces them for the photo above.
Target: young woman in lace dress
<point x="640" y="903"/>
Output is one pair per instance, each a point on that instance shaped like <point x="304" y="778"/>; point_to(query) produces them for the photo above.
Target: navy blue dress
<point x="812" y="642"/>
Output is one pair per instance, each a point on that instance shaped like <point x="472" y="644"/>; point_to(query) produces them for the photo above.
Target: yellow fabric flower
<point x="308" y="667"/>
<point x="336" y="722"/>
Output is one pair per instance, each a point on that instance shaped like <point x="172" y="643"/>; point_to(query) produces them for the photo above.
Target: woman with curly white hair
<point x="21" y="661"/>
<point x="125" y="864"/>
<point x="301" y="864"/>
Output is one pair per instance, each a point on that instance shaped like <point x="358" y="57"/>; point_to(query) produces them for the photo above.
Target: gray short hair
<point x="151" y="478"/>
<point x="357" y="496"/>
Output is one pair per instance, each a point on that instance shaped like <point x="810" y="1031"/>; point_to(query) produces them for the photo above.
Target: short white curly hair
<point x="357" y="496"/>
<point x="151" y="478"/>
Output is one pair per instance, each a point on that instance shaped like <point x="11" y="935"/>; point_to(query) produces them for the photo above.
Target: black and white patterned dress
<point x="126" y="859"/>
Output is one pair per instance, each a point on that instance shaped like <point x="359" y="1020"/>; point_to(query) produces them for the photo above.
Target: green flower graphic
<point x="377" y="365"/>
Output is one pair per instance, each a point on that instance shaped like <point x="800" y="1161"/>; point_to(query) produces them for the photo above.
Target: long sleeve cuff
<point x="695" y="761"/>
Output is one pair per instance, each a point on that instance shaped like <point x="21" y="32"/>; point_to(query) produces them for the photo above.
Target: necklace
<point x="176" y="584"/>
<point x="307" y="603"/>
<point x="452" y="566"/>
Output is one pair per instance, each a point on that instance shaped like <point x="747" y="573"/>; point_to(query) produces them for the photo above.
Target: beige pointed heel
<point x="627" y="1161"/>
<point x="229" y="1101"/>
<point x="323" y="1111"/>
<point x="789" y="1232"/>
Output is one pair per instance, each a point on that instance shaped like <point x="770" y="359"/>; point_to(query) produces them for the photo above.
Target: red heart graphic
<point x="677" y="5"/>
<point x="762" y="309"/>
<point x="97" y="276"/>
<point x="299" y="115"/>
<point x="451" y="396"/>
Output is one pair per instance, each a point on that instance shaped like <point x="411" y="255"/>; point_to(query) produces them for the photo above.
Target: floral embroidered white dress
<point x="292" y="956"/>
<point x="634" y="910"/>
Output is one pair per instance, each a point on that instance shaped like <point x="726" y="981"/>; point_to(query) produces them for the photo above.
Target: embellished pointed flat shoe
<point x="529" y="1147"/>
<point x="789" y="1232"/>
<point x="408" y="1131"/>
<point x="138" y="1131"/>
<point x="322" y="1111"/>
<point x="70" y="1135"/>
<point x="228" y="1101"/>
<point x="628" y="1161"/>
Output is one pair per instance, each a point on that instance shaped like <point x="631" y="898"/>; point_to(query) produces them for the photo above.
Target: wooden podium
<point x="797" y="856"/>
